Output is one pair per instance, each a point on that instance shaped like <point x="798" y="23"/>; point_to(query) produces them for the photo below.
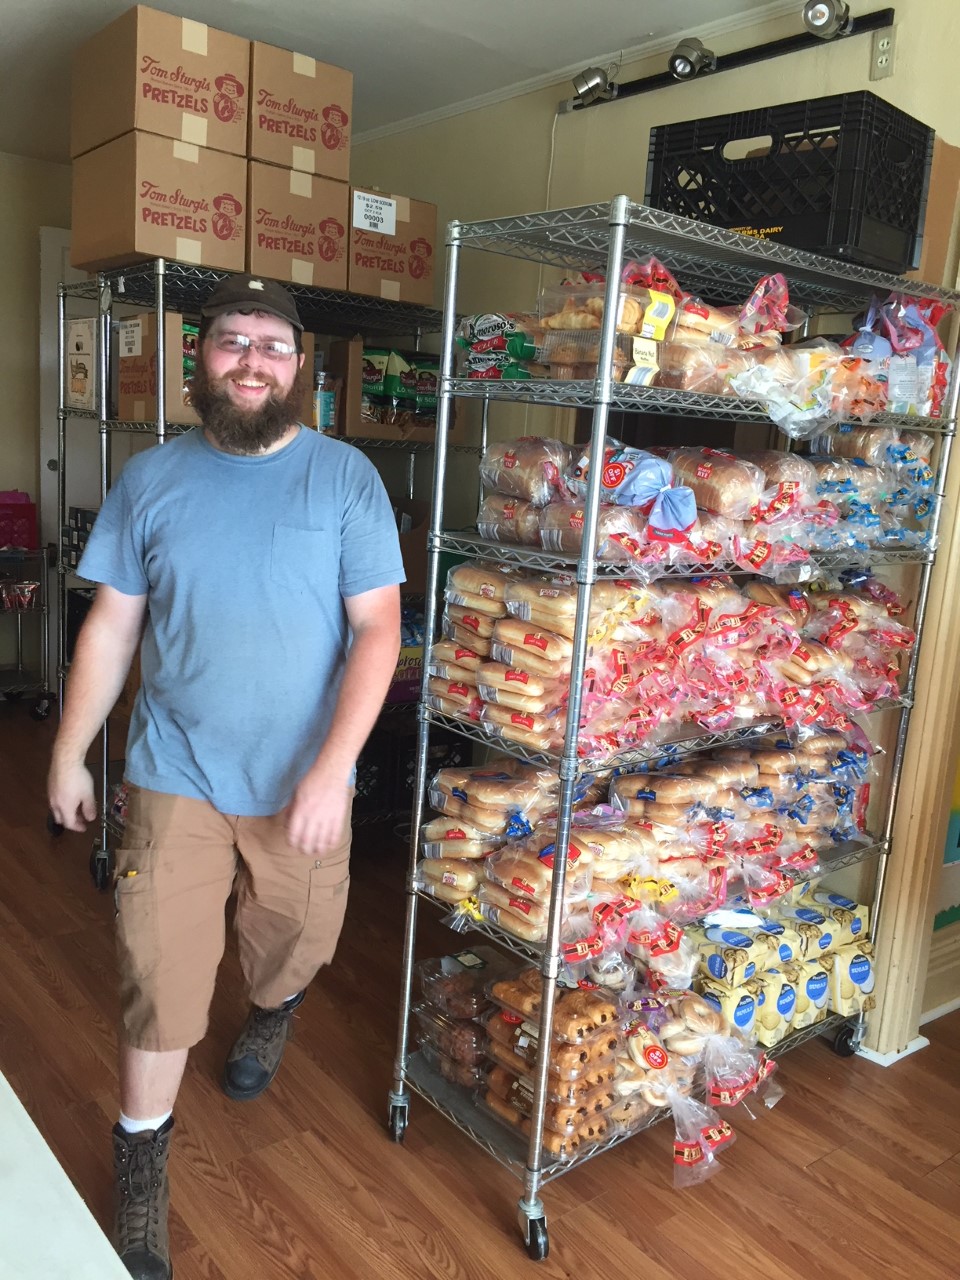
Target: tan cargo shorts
<point x="179" y="862"/>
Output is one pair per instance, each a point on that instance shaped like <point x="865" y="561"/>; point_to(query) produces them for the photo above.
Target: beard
<point x="239" y="430"/>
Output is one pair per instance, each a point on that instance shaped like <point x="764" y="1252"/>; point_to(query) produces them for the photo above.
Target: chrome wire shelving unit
<point x="724" y="267"/>
<point x="160" y="285"/>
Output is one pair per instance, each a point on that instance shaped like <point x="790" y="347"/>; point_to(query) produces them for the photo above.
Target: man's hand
<point x="70" y="793"/>
<point x="317" y="813"/>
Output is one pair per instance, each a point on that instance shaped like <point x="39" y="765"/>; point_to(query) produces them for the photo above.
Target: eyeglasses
<point x="238" y="344"/>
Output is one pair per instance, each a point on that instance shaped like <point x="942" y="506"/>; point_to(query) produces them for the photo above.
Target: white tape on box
<point x="304" y="66"/>
<point x="301" y="272"/>
<point x="390" y="289"/>
<point x="301" y="184"/>
<point x="193" y="129"/>
<point x="403" y="208"/>
<point x="189" y="250"/>
<point x="188" y="151"/>
<point x="193" y="36"/>
<point x="303" y="158"/>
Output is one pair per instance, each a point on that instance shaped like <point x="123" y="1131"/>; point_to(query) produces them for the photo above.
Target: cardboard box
<point x="413" y="543"/>
<point x="297" y="226"/>
<point x="300" y="112"/>
<point x="147" y="197"/>
<point x="170" y="76"/>
<point x="393" y="247"/>
<point x="137" y="369"/>
<point x="940" y="253"/>
<point x="345" y="361"/>
<point x="405" y="685"/>
<point x="80" y="372"/>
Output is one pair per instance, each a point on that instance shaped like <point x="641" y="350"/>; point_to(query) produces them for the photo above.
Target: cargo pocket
<point x="137" y="912"/>
<point x="323" y="919"/>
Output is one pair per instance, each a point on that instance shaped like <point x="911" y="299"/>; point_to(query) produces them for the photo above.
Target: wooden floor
<point x="855" y="1174"/>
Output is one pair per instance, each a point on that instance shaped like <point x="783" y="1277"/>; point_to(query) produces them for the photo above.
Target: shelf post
<point x="61" y="494"/>
<point x="569" y="766"/>
<point x="444" y="413"/>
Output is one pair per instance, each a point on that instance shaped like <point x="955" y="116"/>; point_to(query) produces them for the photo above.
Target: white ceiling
<point x="409" y="58"/>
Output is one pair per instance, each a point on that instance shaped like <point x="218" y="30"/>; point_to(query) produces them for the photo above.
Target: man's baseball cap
<point x="252" y="293"/>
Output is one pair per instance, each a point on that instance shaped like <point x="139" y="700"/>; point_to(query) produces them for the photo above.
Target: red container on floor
<point x="18" y="520"/>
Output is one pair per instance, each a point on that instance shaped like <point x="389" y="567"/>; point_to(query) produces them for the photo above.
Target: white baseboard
<point x="941" y="1011"/>
<point x="888" y="1059"/>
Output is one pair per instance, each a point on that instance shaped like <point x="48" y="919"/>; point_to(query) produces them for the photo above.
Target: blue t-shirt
<point x="245" y="562"/>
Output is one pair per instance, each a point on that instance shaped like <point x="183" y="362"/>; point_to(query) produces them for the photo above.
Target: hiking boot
<point x="143" y="1198"/>
<point x="255" y="1058"/>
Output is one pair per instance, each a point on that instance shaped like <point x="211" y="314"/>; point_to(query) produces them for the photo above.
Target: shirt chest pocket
<point x="305" y="559"/>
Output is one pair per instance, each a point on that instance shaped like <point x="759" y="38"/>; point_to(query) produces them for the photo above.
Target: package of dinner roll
<point x="699" y="1133"/>
<point x="505" y="519"/>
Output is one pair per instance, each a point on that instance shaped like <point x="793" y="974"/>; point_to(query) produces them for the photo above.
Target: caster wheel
<point x="101" y="868"/>
<point x="40" y="710"/>
<point x="846" y="1043"/>
<point x="397" y="1123"/>
<point x="538" y="1242"/>
<point x="53" y="826"/>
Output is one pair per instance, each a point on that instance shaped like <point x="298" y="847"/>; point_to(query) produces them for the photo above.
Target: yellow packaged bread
<point x="852" y="979"/>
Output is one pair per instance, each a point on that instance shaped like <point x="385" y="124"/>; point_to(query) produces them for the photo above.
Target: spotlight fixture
<point x="826" y="18"/>
<point x="689" y="58"/>
<point x="593" y="85"/>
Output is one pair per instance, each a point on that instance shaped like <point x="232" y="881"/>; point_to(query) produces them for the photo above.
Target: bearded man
<point x="259" y="562"/>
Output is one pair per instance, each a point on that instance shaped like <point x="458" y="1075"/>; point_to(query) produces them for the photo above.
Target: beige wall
<point x="493" y="162"/>
<point x="33" y="194"/>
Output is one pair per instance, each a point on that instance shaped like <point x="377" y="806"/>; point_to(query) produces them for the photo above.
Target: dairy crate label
<point x="375" y="213"/>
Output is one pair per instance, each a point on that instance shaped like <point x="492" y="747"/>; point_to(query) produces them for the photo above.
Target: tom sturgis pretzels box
<point x="393" y="243"/>
<point x="141" y="196"/>
<point x="297" y="226"/>
<point x="300" y="112"/>
<point x="171" y="76"/>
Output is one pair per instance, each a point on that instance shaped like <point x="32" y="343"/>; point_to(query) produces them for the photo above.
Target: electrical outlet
<point x="883" y="53"/>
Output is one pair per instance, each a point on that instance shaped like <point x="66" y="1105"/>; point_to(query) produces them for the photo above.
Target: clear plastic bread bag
<point x="795" y="385"/>
<point x="737" y="1073"/>
<point x="722" y="483"/>
<point x="530" y="468"/>
<point x="699" y="1134"/>
<point x="661" y="951"/>
<point x="510" y="520"/>
<point x="769" y="310"/>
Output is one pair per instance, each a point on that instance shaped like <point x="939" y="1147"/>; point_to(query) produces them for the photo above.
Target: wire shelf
<point x="470" y="544"/>
<point x="525" y="950"/>
<point x="141" y="428"/>
<point x="330" y="311"/>
<point x="400" y="446"/>
<point x="716" y="263"/>
<point x="509" y="1148"/>
<point x="663" y="401"/>
<point x="676" y="748"/>
<point x="16" y="680"/>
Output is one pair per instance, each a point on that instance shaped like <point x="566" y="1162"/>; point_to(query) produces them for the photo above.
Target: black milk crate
<point x="446" y="751"/>
<point x="845" y="176"/>
<point x="376" y="782"/>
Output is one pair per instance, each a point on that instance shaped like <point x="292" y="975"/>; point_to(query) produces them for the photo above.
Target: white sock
<point x="138" y="1126"/>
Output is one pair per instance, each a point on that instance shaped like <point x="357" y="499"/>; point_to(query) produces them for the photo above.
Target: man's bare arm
<point x="319" y="807"/>
<point x="105" y="648"/>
